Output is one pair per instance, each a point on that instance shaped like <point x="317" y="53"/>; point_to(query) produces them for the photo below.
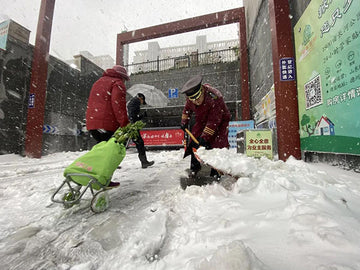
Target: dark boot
<point x="144" y="162"/>
<point x="195" y="166"/>
<point x="214" y="173"/>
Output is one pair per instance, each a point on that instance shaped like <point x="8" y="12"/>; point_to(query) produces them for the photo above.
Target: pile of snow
<point x="277" y="215"/>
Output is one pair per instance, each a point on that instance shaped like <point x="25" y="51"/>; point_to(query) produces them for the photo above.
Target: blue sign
<point x="31" y="103"/>
<point x="287" y="69"/>
<point x="235" y="127"/>
<point x="4" y="29"/>
<point x="173" y="93"/>
<point x="50" y="129"/>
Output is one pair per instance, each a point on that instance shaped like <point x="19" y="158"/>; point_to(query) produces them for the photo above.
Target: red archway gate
<point x="236" y="15"/>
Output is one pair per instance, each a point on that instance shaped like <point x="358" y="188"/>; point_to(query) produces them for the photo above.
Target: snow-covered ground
<point x="277" y="216"/>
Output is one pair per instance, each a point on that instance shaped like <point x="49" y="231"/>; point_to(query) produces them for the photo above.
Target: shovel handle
<point x="191" y="135"/>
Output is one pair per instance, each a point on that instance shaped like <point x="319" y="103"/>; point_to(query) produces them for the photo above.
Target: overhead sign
<point x="327" y="43"/>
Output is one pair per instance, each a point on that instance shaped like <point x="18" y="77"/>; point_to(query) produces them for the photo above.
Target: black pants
<point x="101" y="135"/>
<point x="139" y="143"/>
<point x="196" y="166"/>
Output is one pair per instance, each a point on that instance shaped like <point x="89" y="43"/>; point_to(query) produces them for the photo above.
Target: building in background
<point x="200" y="53"/>
<point x="154" y="51"/>
<point x="102" y="61"/>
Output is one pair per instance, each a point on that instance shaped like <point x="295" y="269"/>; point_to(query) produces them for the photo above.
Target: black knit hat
<point x="192" y="86"/>
<point x="141" y="95"/>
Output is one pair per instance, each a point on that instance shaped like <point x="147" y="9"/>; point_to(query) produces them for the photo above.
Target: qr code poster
<point x="313" y="93"/>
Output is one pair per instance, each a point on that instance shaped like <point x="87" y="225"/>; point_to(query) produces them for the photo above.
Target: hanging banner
<point x="327" y="43"/>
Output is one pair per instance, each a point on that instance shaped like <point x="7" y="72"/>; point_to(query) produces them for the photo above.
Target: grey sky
<point x="92" y="25"/>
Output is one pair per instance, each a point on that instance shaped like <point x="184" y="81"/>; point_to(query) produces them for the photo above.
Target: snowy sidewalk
<point x="278" y="216"/>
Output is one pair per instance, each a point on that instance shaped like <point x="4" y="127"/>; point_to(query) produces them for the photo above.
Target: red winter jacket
<point x="211" y="118"/>
<point x="106" y="107"/>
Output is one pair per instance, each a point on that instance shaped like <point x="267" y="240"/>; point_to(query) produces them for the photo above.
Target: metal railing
<point x="194" y="59"/>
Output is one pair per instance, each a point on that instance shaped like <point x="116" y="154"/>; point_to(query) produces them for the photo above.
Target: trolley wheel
<point x="100" y="202"/>
<point x="70" y="197"/>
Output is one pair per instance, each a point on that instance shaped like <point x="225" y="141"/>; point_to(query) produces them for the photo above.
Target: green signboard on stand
<point x="258" y="143"/>
<point x="327" y="43"/>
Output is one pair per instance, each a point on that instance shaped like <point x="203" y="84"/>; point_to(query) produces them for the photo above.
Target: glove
<point x="193" y="144"/>
<point x="203" y="142"/>
<point x="183" y="127"/>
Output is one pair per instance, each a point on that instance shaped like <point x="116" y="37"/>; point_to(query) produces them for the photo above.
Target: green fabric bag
<point x="100" y="162"/>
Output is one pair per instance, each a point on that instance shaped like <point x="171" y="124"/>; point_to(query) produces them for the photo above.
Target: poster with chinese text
<point x="327" y="44"/>
<point x="259" y="143"/>
<point x="235" y="127"/>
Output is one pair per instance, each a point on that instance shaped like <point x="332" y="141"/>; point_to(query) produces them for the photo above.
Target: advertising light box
<point x="327" y="43"/>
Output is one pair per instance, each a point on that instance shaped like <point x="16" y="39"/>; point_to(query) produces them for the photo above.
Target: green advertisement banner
<point x="327" y="44"/>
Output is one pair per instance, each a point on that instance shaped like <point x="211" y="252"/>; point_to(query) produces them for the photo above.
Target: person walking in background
<point x="133" y="108"/>
<point x="106" y="108"/>
<point x="211" y="119"/>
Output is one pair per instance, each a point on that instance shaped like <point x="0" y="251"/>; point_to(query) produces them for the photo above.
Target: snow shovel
<point x="202" y="161"/>
<point x="187" y="148"/>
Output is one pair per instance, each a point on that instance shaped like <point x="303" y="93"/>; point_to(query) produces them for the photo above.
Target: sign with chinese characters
<point x="327" y="44"/>
<point x="31" y="103"/>
<point x="235" y="127"/>
<point x="258" y="143"/>
<point x="162" y="137"/>
<point x="287" y="69"/>
<point x="265" y="110"/>
<point x="4" y="29"/>
<point x="173" y="93"/>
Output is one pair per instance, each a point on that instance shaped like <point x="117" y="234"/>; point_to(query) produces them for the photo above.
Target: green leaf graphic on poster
<point x="327" y="43"/>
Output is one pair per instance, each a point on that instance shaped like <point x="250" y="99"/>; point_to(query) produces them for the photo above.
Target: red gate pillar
<point x="244" y="68"/>
<point x="287" y="114"/>
<point x="119" y="51"/>
<point x="38" y="84"/>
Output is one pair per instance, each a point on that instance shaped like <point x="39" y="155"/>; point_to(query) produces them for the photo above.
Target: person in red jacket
<point x="211" y="119"/>
<point x="106" y="108"/>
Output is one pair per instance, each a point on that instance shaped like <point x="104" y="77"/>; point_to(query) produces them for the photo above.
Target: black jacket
<point x="133" y="109"/>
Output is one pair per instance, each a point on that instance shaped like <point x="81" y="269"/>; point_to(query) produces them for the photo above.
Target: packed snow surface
<point x="277" y="215"/>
